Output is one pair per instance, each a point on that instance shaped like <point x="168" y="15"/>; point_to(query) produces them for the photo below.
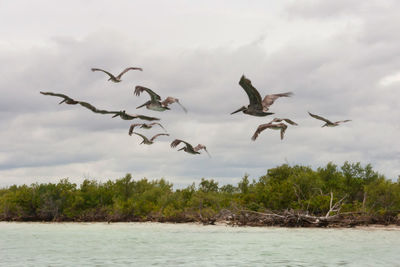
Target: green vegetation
<point x="325" y="192"/>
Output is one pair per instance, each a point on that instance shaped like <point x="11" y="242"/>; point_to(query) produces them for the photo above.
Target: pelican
<point x="257" y="107"/>
<point x="117" y="79"/>
<point x="126" y="116"/>
<point x="155" y="102"/>
<point x="146" y="141"/>
<point x="328" y="123"/>
<point x="144" y="126"/>
<point x="278" y="126"/>
<point x="188" y="147"/>
<point x="67" y="99"/>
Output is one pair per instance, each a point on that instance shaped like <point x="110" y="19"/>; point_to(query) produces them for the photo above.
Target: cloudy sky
<point x="341" y="59"/>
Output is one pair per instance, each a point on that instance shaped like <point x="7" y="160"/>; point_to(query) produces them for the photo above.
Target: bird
<point x="188" y="147"/>
<point x="278" y="126"/>
<point x="146" y="141"/>
<point x="155" y="102"/>
<point x="67" y="99"/>
<point x="257" y="107"/>
<point x="126" y="116"/>
<point x="144" y="126"/>
<point x="328" y="123"/>
<point x="117" y="79"/>
<point x="96" y="110"/>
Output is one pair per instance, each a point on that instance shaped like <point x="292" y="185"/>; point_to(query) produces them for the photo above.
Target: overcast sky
<point x="341" y="59"/>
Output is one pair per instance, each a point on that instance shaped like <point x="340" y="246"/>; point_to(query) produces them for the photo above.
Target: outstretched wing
<point x="260" y="128"/>
<point x="286" y="120"/>
<point x="178" y="141"/>
<point x="106" y="72"/>
<point x="157" y="135"/>
<point x="146" y="118"/>
<point x="154" y="97"/>
<point x="270" y="99"/>
<point x="170" y="100"/>
<point x="128" y="69"/>
<point x="66" y="98"/>
<point x="320" y="118"/>
<point x="252" y="93"/>
<point x="133" y="127"/>
<point x="144" y="137"/>
<point x="342" y="121"/>
<point x="95" y="110"/>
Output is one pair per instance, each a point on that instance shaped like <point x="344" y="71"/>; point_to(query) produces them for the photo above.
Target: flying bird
<point x="188" y="147"/>
<point x="144" y="126"/>
<point x="155" y="102"/>
<point x="328" y="123"/>
<point x="117" y="79"/>
<point x="257" y="107"/>
<point x="278" y="126"/>
<point x="96" y="110"/>
<point x="126" y="116"/>
<point x="146" y="141"/>
<point x="67" y="99"/>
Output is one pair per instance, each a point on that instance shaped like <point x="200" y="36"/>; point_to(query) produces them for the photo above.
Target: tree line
<point x="324" y="193"/>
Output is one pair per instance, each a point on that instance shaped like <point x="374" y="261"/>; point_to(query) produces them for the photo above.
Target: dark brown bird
<point x="286" y="120"/>
<point x="188" y="147"/>
<point x="257" y="107"/>
<point x="126" y="116"/>
<point x="67" y="99"/>
<point x="328" y="123"/>
<point x="146" y="141"/>
<point x="117" y="79"/>
<point x="278" y="126"/>
<point x="155" y="102"/>
<point x="144" y="126"/>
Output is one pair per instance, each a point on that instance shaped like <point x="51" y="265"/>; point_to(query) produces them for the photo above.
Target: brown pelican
<point x="144" y="126"/>
<point x="67" y="99"/>
<point x="155" y="102"/>
<point x="279" y="126"/>
<point x="126" y="116"/>
<point x="189" y="148"/>
<point x="328" y="123"/>
<point x="257" y="107"/>
<point x="117" y="79"/>
<point x="146" y="141"/>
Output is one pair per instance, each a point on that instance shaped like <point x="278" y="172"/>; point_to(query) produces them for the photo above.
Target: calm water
<point x="144" y="244"/>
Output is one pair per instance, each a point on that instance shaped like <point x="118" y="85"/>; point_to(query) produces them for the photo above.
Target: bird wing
<point x="342" y="121"/>
<point x="128" y="69"/>
<point x="178" y="141"/>
<point x="133" y="127"/>
<point x="106" y="72"/>
<point x="200" y="147"/>
<point x="157" y="135"/>
<point x="270" y="99"/>
<point x="144" y="137"/>
<point x="252" y="93"/>
<point x="287" y="120"/>
<point x="320" y="118"/>
<point x="283" y="129"/>
<point x="170" y="100"/>
<point x="55" y="94"/>
<point x="95" y="110"/>
<point x="146" y="118"/>
<point x="260" y="128"/>
<point x="154" y="97"/>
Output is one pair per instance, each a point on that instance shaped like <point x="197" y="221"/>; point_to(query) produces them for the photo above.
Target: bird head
<point x="148" y="102"/>
<point x="240" y="109"/>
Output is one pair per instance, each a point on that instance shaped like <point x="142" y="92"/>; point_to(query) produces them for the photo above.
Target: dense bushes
<point x="295" y="188"/>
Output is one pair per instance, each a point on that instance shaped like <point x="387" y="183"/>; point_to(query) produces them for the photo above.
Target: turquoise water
<point x="145" y="244"/>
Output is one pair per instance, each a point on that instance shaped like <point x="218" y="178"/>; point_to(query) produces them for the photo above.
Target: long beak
<point x="181" y="149"/>
<point x="142" y="105"/>
<point x="115" y="115"/>
<point x="240" y="109"/>
<point x="207" y="153"/>
<point x="62" y="101"/>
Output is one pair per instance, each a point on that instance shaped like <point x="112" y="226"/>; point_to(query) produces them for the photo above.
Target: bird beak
<point x="142" y="105"/>
<point x="240" y="109"/>
<point x="115" y="115"/>
<point x="62" y="101"/>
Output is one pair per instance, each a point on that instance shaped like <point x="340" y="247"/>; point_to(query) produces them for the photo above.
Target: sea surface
<point x="155" y="244"/>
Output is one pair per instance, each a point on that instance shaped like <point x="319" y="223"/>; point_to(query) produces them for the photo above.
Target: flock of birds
<point x="257" y="107"/>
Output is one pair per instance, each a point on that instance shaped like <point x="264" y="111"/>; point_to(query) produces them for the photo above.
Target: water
<point x="145" y="244"/>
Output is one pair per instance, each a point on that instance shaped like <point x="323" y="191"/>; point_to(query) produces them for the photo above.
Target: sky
<point x="341" y="60"/>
